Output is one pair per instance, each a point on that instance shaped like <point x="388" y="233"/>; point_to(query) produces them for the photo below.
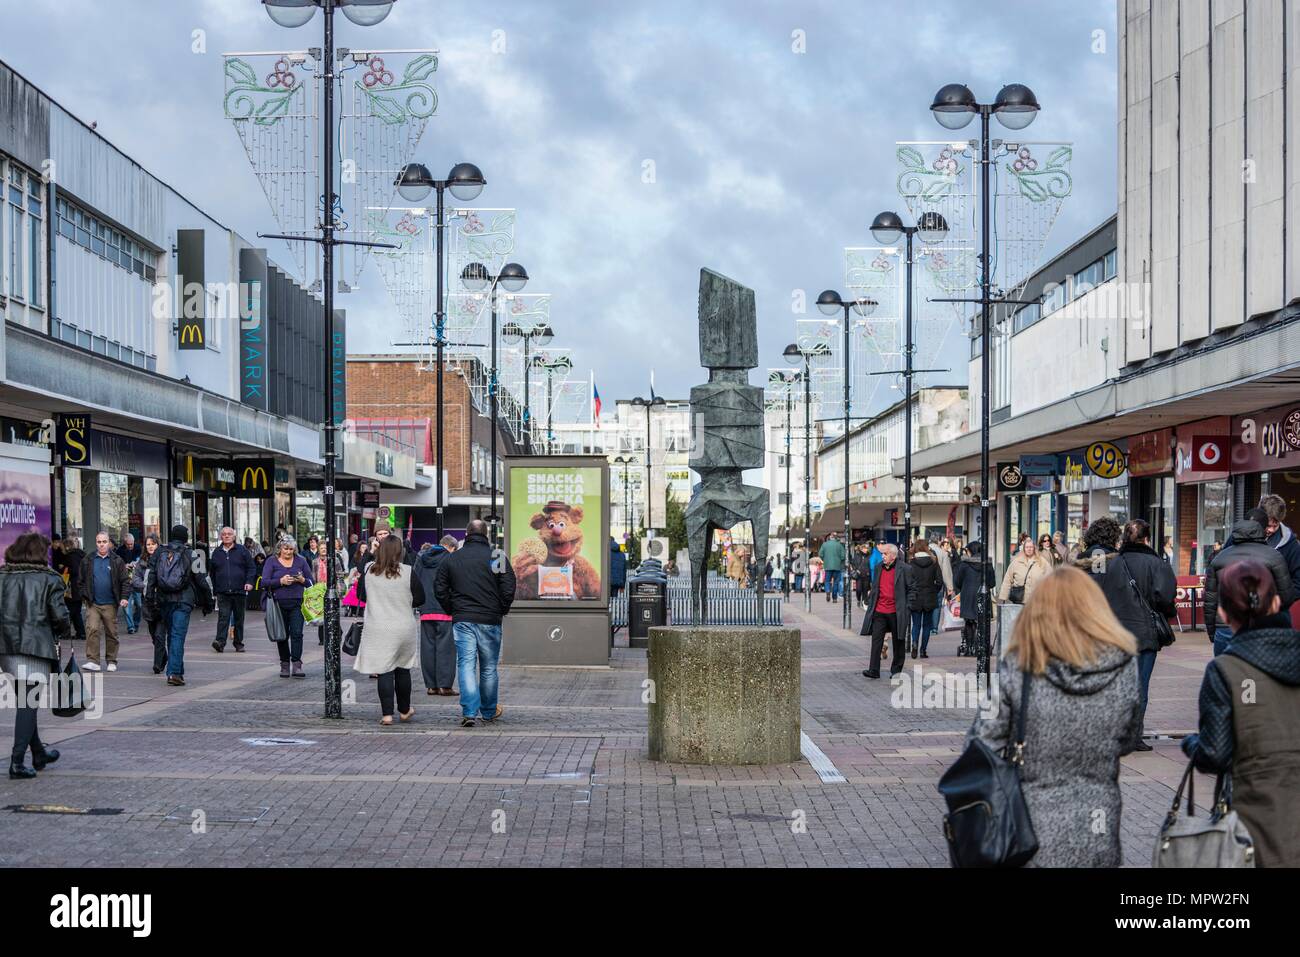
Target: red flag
<point x="595" y="401"/>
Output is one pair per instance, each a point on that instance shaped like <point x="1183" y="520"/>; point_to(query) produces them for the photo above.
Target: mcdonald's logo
<point x="256" y="478"/>
<point x="253" y="478"/>
<point x="190" y="334"/>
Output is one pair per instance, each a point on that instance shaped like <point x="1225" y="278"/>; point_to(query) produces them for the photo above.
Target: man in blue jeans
<point x="179" y="582"/>
<point x="476" y="586"/>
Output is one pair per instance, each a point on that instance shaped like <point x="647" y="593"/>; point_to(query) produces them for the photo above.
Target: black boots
<point x="43" y="757"/>
<point x="18" y="771"/>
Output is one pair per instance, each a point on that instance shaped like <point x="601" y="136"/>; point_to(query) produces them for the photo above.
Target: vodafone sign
<point x="1202" y="450"/>
<point x="1209" y="452"/>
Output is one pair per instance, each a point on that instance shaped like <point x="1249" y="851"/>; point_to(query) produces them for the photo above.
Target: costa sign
<point x="1266" y="440"/>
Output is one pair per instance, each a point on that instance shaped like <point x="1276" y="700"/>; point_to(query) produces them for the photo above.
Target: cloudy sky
<point x="767" y="161"/>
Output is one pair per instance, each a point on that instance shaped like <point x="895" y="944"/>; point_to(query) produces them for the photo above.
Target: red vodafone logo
<point x="1208" y="452"/>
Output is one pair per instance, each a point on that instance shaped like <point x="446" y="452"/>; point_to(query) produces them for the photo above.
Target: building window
<point x="1027" y="316"/>
<point x="1109" y="263"/>
<point x="17" y="280"/>
<point x="36" y="239"/>
<point x="1053" y="298"/>
<point x="103" y="240"/>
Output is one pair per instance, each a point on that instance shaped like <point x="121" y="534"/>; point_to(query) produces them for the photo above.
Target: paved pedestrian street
<point x="238" y="768"/>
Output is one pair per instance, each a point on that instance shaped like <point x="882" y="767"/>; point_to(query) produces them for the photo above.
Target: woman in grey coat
<point x="1082" y="717"/>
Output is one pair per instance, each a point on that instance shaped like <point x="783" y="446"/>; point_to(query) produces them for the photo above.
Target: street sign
<point x="1105" y="459"/>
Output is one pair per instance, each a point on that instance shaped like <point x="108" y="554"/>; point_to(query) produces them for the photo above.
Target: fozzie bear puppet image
<point x="550" y="566"/>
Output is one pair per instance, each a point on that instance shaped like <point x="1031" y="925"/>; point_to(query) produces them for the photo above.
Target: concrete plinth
<point x="724" y="695"/>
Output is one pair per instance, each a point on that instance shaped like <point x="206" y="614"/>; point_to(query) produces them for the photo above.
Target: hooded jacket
<point x="424" y="571"/>
<point x="469" y="587"/>
<point x="966" y="580"/>
<point x="923" y="593"/>
<point x="945" y="565"/>
<point x="1248" y="541"/>
<point x="617" y="566"/>
<point x="1079" y="722"/>
<point x="1155" y="581"/>
<point x="1260" y="746"/>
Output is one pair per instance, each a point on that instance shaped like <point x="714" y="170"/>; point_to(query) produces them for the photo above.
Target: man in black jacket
<point x="1138" y="581"/>
<point x="179" y="582"/>
<point x="1248" y="540"/>
<point x="476" y="586"/>
<point x="437" y="648"/>
<point x="886" y="610"/>
<point x="233" y="573"/>
<point x="105" y="587"/>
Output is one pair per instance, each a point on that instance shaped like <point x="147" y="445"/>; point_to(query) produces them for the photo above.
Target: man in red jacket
<point x="886" y="607"/>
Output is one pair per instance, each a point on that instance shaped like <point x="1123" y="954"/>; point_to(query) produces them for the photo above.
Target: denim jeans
<point x="833" y="583"/>
<point x="1222" y="636"/>
<point x="175" y="623"/>
<point x="134" y="604"/>
<point x="291" y="648"/>
<point x="478" y="649"/>
<point x="921" y="629"/>
<point x="1146" y="664"/>
<point x="798" y="582"/>
<point x="936" y="618"/>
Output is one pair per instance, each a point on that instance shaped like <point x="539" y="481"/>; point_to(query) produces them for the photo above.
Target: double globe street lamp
<point x="650" y="404"/>
<point x="796" y="356"/>
<point x="551" y="365"/>
<point x="542" y="334"/>
<point x="830" y="303"/>
<point x="954" y="107"/>
<point x="477" y="278"/>
<point x="414" y="183"/>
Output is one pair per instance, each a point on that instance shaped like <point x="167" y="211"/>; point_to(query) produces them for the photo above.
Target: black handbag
<point x="352" y="640"/>
<point x="987" y="824"/>
<point x="1159" y="624"/>
<point x="68" y="692"/>
<point x="1016" y="594"/>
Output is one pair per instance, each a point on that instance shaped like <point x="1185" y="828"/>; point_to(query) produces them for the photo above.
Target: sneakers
<point x="1143" y="746"/>
<point x="112" y="666"/>
<point x="467" y="722"/>
<point x="218" y="647"/>
<point x="297" y="670"/>
<point x="90" y="666"/>
<point x="500" y="711"/>
<point x="239" y="648"/>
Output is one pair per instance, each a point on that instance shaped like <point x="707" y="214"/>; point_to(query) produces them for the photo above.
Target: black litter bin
<point x="647" y="603"/>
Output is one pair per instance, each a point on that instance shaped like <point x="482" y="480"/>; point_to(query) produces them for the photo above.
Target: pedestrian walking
<point x="942" y="552"/>
<point x="887" y="602"/>
<point x="34" y="618"/>
<point x="105" y="587"/>
<point x="178" y="584"/>
<point x="1082" y="716"/>
<point x="73" y="556"/>
<point x="233" y="573"/>
<point x="1047" y="551"/>
<point x="1248" y="541"/>
<point x="139" y="586"/>
<point x="923" y="590"/>
<point x="1282" y="538"/>
<point x="320" y="563"/>
<point x="617" y="568"/>
<point x="285" y="577"/>
<point x="1062" y="550"/>
<point x="129" y="552"/>
<point x="966" y="580"/>
<point x="476" y="589"/>
<point x="832" y="555"/>
<point x="1253" y="737"/>
<point x="390" y="642"/>
<point x="437" y="647"/>
<point x="860" y="572"/>
<point x="1025" y="570"/>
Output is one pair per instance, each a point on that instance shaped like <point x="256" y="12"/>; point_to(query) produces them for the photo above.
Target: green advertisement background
<point x="522" y="512"/>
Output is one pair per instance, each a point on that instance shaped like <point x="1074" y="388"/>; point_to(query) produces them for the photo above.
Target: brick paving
<point x="561" y="780"/>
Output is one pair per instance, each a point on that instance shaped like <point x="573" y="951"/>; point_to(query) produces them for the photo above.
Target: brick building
<point x="395" y="396"/>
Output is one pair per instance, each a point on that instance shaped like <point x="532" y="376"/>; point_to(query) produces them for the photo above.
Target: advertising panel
<point x="24" y="500"/>
<point x="554" y="535"/>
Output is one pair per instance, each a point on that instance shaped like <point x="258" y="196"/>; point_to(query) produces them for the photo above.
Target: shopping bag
<point x="951" y="617"/>
<point x="275" y="626"/>
<point x="352" y="640"/>
<point x="69" y="691"/>
<point x="350" y="599"/>
<point x="313" y="603"/>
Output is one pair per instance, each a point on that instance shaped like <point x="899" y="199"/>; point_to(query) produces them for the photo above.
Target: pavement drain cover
<point x="275" y="742"/>
<point x="757" y="817"/>
<point x="216" y="815"/>
<point x="60" y="809"/>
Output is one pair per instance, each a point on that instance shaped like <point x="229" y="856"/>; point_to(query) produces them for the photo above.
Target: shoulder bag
<point x="987" y="824"/>
<point x="68" y="688"/>
<point x="1219" y="840"/>
<point x="352" y="640"/>
<point x="276" y="629"/>
<point x="1159" y="624"/>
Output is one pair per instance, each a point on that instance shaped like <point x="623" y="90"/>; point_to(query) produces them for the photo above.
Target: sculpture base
<point x="724" y="695"/>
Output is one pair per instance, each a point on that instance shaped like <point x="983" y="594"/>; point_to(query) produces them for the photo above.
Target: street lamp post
<point x="954" y="107"/>
<point x="551" y="365"/>
<point x="476" y="278"/>
<point x="297" y="13"/>
<point x="794" y="355"/>
<point x="414" y="184"/>
<point x="830" y="303"/>
<point x="887" y="228"/>
<point x="650" y="404"/>
<point x="627" y="496"/>
<point x="515" y="332"/>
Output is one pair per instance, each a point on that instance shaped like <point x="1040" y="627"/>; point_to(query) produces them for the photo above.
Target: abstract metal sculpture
<point x="728" y="415"/>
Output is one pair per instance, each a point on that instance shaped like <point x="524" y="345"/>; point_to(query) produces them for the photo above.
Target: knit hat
<point x="179" y="533"/>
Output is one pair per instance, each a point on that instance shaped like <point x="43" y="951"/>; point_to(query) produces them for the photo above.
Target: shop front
<point x="1265" y="451"/>
<point x="1152" y="489"/>
<point x="115" y="483"/>
<point x="210" y="493"/>
<point x="1204" y="489"/>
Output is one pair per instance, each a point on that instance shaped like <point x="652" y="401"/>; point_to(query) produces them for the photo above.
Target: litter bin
<point x="647" y="602"/>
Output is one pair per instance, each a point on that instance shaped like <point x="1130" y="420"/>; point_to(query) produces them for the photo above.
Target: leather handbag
<point x="1016" y="594"/>
<point x="352" y="640"/>
<point x="1219" y="840"/>
<point x="1159" y="624"/>
<point x="988" y="824"/>
<point x="68" y="690"/>
<point x="276" y="629"/>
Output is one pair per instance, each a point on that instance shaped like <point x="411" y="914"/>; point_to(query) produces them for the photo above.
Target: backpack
<point x="171" y="570"/>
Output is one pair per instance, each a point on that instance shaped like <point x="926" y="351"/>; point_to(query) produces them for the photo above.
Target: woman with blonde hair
<point x="1025" y="570"/>
<point x="1081" y="718"/>
<point x="390" y="642"/>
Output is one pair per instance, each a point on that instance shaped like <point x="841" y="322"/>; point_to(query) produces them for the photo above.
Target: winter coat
<point x="391" y="638"/>
<point x="617" y="566"/>
<point x="1156" y="583"/>
<point x="273" y="571"/>
<point x="33" y="612"/>
<point x="231" y="570"/>
<point x="197" y="591"/>
<point x="1079" y="722"/>
<point x="945" y="565"/>
<point x="860" y="565"/>
<point x="923" y="584"/>
<point x="832" y="555"/>
<point x="425" y="570"/>
<point x="1258" y="742"/>
<point x="1248" y="541"/>
<point x="470" y="589"/>
<point x="1284" y="541"/>
<point x="966" y="580"/>
<point x="902" y="589"/>
<point x="119" y="579"/>
<point x="1025" y="571"/>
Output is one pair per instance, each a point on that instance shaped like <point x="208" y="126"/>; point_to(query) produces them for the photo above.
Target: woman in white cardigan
<point x="390" y="637"/>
